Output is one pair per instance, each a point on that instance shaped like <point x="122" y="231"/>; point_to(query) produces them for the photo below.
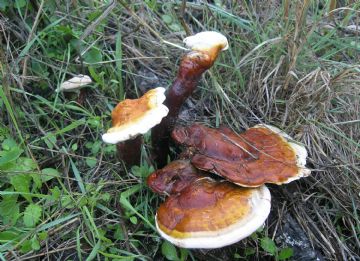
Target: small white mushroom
<point x="75" y="83"/>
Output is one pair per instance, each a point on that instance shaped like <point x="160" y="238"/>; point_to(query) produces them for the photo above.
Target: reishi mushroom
<point x="212" y="214"/>
<point x="133" y="117"/>
<point x="205" y="47"/>
<point x="174" y="177"/>
<point x="201" y="212"/>
<point x="261" y="154"/>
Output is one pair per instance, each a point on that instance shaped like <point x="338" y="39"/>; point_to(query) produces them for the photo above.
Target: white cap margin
<point x="206" y="40"/>
<point x="260" y="204"/>
<point x="150" y="119"/>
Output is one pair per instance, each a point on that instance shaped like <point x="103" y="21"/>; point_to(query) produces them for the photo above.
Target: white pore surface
<point x="260" y="203"/>
<point x="206" y="40"/>
<point x="75" y="83"/>
<point x="150" y="119"/>
<point x="299" y="149"/>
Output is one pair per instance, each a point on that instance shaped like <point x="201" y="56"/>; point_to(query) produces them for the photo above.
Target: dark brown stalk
<point x="130" y="151"/>
<point x="192" y="66"/>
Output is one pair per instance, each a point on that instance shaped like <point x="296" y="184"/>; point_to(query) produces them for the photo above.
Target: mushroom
<point x="205" y="48"/>
<point x="262" y="154"/>
<point x="76" y="85"/>
<point x="133" y="117"/>
<point x="174" y="177"/>
<point x="212" y="214"/>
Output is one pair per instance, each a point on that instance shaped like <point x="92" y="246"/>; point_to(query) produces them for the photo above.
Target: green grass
<point x="63" y="193"/>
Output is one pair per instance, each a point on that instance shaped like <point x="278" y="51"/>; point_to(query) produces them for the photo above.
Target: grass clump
<point x="63" y="193"/>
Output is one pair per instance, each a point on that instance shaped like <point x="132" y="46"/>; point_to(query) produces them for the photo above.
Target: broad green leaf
<point x="20" y="3"/>
<point x="55" y="193"/>
<point x="32" y="215"/>
<point x="67" y="202"/>
<point x="26" y="246"/>
<point x="94" y="122"/>
<point x="21" y="183"/>
<point x="8" y="144"/>
<point x="169" y="251"/>
<point x="268" y="245"/>
<point x="9" y="156"/>
<point x="48" y="174"/>
<point x="6" y="236"/>
<point x="27" y="163"/>
<point x="37" y="180"/>
<point x="96" y="147"/>
<point x="91" y="162"/>
<point x="93" y="56"/>
<point x="285" y="253"/>
<point x="9" y="209"/>
<point x="74" y="147"/>
<point x="35" y="244"/>
<point x="133" y="220"/>
<point x="43" y="235"/>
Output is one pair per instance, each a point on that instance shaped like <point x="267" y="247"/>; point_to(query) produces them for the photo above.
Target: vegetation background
<point x="63" y="193"/>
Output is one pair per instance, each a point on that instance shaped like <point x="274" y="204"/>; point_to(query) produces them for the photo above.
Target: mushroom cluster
<point x="133" y="117"/>
<point x="202" y="211"/>
<point x="216" y="193"/>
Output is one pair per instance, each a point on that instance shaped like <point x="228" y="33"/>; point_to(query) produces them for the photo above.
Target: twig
<point x="26" y="59"/>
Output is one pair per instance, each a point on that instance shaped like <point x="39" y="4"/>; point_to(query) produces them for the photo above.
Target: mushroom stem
<point x="130" y="151"/>
<point x="130" y="119"/>
<point x="192" y="66"/>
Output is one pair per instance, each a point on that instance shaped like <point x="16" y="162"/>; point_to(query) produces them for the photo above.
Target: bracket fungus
<point x="201" y="212"/>
<point x="133" y="117"/>
<point x="174" y="177"/>
<point x="205" y="48"/>
<point x="212" y="214"/>
<point x="261" y="154"/>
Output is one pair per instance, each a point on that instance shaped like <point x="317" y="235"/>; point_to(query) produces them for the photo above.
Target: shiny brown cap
<point x="212" y="214"/>
<point x="174" y="177"/>
<point x="262" y="154"/>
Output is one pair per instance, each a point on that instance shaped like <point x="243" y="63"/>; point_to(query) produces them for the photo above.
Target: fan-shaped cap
<point x="262" y="154"/>
<point x="75" y="83"/>
<point x="133" y="117"/>
<point x="206" y="40"/>
<point x="174" y="177"/>
<point x="212" y="214"/>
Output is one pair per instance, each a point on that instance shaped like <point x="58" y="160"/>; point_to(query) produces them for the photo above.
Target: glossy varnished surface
<point x="130" y="111"/>
<point x="206" y="206"/>
<point x="252" y="158"/>
<point x="192" y="66"/>
<point x="173" y="178"/>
